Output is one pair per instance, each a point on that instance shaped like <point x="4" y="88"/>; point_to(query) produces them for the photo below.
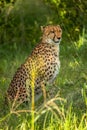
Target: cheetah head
<point x="51" y="34"/>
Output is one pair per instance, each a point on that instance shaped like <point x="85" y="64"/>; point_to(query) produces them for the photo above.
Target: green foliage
<point x="20" y="22"/>
<point x="71" y="15"/>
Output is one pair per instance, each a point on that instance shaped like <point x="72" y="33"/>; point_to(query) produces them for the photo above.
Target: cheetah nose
<point x="58" y="38"/>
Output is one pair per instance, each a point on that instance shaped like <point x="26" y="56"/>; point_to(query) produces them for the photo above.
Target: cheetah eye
<point x="52" y="31"/>
<point x="60" y="30"/>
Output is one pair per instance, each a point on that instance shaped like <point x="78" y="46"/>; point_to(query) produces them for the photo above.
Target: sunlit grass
<point x="81" y="40"/>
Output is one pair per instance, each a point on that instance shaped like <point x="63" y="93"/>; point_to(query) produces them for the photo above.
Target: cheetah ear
<point x="42" y="28"/>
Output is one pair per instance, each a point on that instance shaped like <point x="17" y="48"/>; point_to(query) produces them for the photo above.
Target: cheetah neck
<point x="52" y="46"/>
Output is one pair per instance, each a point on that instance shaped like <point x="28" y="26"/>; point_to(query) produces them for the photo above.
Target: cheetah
<point x="41" y="67"/>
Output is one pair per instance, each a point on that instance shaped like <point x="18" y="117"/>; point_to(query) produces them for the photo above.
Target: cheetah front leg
<point x="43" y="91"/>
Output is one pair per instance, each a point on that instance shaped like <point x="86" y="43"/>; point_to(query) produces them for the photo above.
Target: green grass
<point x="68" y="111"/>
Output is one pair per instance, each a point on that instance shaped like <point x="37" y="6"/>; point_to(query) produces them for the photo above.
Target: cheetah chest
<point x="52" y="66"/>
<point x="55" y="66"/>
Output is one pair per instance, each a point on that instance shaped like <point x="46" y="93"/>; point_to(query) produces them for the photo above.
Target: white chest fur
<point x="55" y="63"/>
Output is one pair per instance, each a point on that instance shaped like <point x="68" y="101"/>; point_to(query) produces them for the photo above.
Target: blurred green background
<point x="20" y="20"/>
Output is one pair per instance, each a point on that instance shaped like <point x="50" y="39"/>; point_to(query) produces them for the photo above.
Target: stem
<point x="33" y="102"/>
<point x="32" y="128"/>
